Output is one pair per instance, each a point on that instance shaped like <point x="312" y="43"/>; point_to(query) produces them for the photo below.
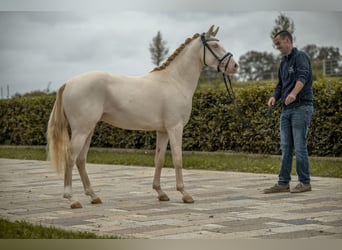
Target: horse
<point x="159" y="101"/>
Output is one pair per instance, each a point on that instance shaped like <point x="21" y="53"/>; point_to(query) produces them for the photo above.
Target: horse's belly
<point x="142" y="121"/>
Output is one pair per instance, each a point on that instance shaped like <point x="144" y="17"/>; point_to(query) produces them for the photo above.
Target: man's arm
<point x="293" y="95"/>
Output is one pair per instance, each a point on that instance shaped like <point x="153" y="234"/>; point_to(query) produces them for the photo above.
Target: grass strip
<point x="218" y="161"/>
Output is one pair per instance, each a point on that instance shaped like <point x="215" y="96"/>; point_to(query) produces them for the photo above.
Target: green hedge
<point x="23" y="120"/>
<point x="216" y="123"/>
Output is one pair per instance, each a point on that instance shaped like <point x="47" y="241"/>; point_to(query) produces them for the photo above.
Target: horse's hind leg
<point x="162" y="140"/>
<point x="76" y="145"/>
<point x="80" y="163"/>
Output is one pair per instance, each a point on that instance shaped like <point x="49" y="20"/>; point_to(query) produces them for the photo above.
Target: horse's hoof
<point x="163" y="197"/>
<point x="75" y="205"/>
<point x="188" y="199"/>
<point x="96" y="201"/>
<point x="67" y="196"/>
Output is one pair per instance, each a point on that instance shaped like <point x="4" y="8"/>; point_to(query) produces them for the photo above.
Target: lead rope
<point x="232" y="97"/>
<point x="230" y="91"/>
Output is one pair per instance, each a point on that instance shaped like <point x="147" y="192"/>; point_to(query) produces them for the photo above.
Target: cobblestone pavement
<point x="228" y="205"/>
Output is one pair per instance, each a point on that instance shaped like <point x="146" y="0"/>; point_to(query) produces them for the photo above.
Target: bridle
<point x="226" y="57"/>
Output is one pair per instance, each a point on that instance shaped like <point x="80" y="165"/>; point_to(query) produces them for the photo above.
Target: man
<point x="294" y="89"/>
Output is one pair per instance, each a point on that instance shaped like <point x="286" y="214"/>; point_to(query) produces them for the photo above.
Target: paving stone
<point x="228" y="205"/>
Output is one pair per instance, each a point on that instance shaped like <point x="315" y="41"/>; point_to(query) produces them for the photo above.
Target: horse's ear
<point x="209" y="32"/>
<point x="215" y="32"/>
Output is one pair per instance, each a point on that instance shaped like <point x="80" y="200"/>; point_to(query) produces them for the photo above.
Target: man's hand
<point x="290" y="99"/>
<point x="271" y="101"/>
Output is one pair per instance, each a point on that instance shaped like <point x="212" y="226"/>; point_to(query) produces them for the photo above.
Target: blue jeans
<point x="294" y="125"/>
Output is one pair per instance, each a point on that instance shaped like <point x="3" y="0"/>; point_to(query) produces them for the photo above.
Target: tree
<point x="255" y="66"/>
<point x="158" y="49"/>
<point x="329" y="53"/>
<point x="283" y="23"/>
<point x="312" y="50"/>
<point x="208" y="74"/>
<point x="331" y="58"/>
<point x="322" y="53"/>
<point x="327" y="59"/>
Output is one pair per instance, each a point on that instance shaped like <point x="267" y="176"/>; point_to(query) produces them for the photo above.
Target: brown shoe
<point x="301" y="187"/>
<point x="277" y="188"/>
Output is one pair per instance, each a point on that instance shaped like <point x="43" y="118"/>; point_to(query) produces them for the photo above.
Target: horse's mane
<point x="175" y="53"/>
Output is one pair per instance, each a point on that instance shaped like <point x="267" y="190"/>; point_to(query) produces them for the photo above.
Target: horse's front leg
<point x="162" y="140"/>
<point x="175" y="136"/>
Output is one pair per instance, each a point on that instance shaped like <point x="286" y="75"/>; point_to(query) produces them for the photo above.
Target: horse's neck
<point x="186" y="67"/>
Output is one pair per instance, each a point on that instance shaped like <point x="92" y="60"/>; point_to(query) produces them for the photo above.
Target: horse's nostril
<point x="236" y="65"/>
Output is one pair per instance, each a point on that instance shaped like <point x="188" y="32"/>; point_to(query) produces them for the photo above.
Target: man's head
<point x="283" y="41"/>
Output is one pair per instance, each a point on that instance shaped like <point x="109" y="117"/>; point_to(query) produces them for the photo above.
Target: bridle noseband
<point x="227" y="57"/>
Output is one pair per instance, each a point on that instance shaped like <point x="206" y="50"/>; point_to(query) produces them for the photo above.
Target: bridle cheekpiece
<point x="227" y="57"/>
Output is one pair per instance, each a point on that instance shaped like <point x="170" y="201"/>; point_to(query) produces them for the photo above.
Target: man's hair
<point x="283" y="34"/>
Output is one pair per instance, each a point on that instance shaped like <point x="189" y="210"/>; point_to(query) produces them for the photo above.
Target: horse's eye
<point x="215" y="45"/>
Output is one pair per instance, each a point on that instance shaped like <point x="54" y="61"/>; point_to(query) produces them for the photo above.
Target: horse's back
<point x="95" y="83"/>
<point x="84" y="83"/>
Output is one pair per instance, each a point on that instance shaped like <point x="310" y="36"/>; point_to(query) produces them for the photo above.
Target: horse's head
<point x="215" y="55"/>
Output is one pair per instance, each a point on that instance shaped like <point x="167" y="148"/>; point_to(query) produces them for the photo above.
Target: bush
<point x="24" y="120"/>
<point x="216" y="123"/>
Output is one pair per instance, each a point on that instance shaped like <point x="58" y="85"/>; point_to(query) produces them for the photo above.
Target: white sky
<point x="37" y="47"/>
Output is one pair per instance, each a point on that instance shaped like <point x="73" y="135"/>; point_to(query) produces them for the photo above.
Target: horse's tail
<point x="57" y="135"/>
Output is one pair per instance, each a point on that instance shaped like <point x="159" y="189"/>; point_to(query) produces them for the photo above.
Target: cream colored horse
<point x="160" y="101"/>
